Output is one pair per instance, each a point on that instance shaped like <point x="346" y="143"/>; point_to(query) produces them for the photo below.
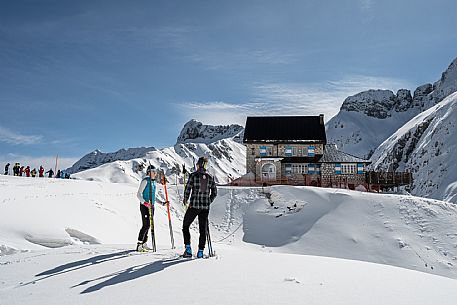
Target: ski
<point x="164" y="179"/>
<point x="194" y="257"/>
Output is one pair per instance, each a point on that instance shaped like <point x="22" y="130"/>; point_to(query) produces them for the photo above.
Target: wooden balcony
<point x="373" y="181"/>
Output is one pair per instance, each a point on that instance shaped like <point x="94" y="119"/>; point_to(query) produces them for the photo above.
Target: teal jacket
<point x="147" y="187"/>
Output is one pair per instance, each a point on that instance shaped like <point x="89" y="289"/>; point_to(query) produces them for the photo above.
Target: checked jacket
<point x="203" y="189"/>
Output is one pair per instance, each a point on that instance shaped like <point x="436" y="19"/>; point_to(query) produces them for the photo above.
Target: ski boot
<point x="187" y="252"/>
<point x="140" y="247"/>
<point x="146" y="247"/>
<point x="200" y="253"/>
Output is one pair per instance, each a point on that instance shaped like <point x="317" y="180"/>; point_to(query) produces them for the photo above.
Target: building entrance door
<point x="268" y="172"/>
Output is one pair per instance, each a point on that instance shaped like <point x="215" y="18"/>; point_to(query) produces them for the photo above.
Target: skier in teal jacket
<point x="146" y="189"/>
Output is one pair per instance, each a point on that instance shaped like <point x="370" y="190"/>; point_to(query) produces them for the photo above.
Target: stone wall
<point x="277" y="150"/>
<point x="329" y="178"/>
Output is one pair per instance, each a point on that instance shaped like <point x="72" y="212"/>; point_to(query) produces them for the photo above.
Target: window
<point x="288" y="151"/>
<point x="263" y="151"/>
<point x="311" y="169"/>
<point x="338" y="168"/>
<point x="359" y="168"/>
<point x="269" y="151"/>
<point x="295" y="168"/>
<point x="294" y="151"/>
<point x="288" y="169"/>
<point x="311" y="151"/>
<point x="348" y="168"/>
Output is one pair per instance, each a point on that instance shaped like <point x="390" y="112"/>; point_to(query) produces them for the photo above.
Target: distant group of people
<point x="21" y="170"/>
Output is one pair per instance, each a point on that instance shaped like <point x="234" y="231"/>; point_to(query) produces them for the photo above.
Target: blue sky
<point x="80" y="75"/>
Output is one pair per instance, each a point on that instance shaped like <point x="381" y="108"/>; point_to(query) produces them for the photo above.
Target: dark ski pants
<point x="143" y="235"/>
<point x="191" y="213"/>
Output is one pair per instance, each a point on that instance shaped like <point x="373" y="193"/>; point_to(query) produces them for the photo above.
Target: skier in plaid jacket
<point x="202" y="191"/>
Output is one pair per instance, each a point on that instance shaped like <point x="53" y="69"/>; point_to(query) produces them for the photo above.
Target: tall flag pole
<point x="55" y="169"/>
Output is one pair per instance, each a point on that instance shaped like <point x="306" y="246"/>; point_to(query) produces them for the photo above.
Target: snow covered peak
<point x="427" y="146"/>
<point x="378" y="103"/>
<point x="368" y="118"/>
<point x="97" y="158"/>
<point x="447" y="83"/>
<point x="195" y="132"/>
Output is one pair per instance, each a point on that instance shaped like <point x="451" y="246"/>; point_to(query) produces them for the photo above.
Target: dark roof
<point x="333" y="155"/>
<point x="314" y="159"/>
<point x="284" y="129"/>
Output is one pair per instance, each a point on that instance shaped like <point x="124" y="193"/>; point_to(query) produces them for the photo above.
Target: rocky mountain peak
<point x="379" y="103"/>
<point x="196" y="132"/>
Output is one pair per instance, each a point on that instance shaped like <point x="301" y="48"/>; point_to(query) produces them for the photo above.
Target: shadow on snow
<point x="130" y="274"/>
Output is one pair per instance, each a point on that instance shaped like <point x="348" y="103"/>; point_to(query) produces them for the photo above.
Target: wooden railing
<point x="389" y="179"/>
<point x="375" y="181"/>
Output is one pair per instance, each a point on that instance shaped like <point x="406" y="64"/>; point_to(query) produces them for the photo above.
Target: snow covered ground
<point x="70" y="241"/>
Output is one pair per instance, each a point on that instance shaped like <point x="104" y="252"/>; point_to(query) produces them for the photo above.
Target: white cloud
<point x="34" y="162"/>
<point x="367" y="7"/>
<point x="291" y="99"/>
<point x="11" y="137"/>
<point x="240" y="58"/>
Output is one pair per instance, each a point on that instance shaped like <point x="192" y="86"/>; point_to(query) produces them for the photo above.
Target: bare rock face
<point x="195" y="132"/>
<point x="379" y="103"/>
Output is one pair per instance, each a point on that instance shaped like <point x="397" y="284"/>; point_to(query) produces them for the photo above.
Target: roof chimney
<point x="321" y="117"/>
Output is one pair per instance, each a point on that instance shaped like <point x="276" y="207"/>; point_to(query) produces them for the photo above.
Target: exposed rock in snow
<point x="97" y="158"/>
<point x="196" y="132"/>
<point x="368" y="118"/>
<point x="426" y="145"/>
<point x="378" y="103"/>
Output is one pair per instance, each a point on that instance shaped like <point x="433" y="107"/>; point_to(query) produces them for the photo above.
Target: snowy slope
<point x="260" y="247"/>
<point x="426" y="145"/>
<point x="109" y="275"/>
<point x="263" y="250"/>
<point x="368" y="118"/>
<point x="226" y="161"/>
<point x="97" y="158"/>
<point x="403" y="231"/>
<point x="221" y="144"/>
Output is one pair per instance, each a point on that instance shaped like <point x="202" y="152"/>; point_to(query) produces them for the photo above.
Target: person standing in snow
<point x="146" y="189"/>
<point x="58" y="173"/>
<point x="15" y="169"/>
<point x="27" y="171"/>
<point x="203" y="189"/>
<point x="21" y="171"/>
<point x="7" y="169"/>
<point x="33" y="172"/>
<point x="50" y="172"/>
<point x="41" y="171"/>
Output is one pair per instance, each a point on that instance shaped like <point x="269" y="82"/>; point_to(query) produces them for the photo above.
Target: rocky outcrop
<point x="196" y="132"/>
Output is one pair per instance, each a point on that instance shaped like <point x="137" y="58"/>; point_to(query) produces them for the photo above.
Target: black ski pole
<point x="208" y="239"/>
